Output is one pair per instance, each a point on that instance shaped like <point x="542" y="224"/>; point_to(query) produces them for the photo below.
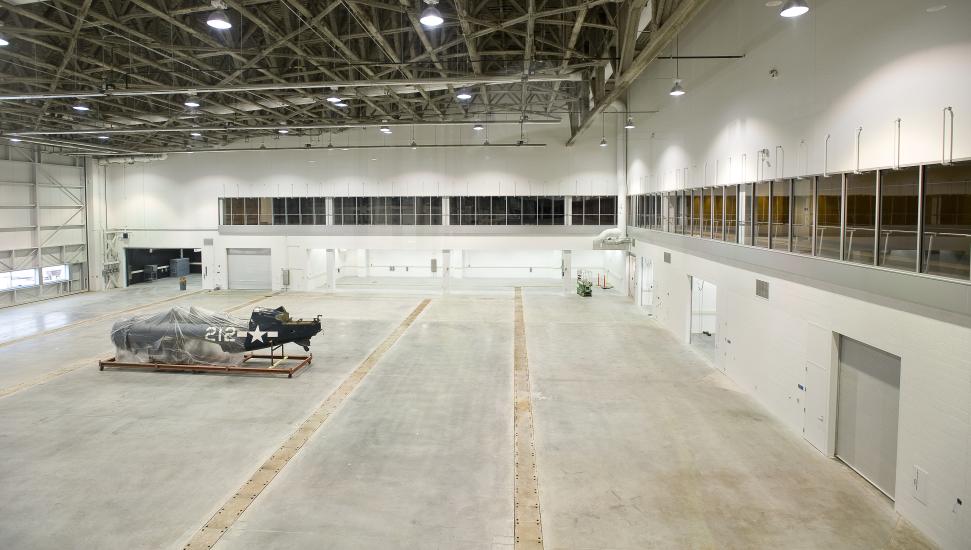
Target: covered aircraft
<point x="196" y="336"/>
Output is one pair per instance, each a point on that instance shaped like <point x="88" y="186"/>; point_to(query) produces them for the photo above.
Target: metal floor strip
<point x="229" y="512"/>
<point x="528" y="525"/>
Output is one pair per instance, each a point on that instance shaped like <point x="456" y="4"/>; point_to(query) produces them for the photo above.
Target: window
<point x="706" y="212"/>
<point x="718" y="219"/>
<point x="861" y="217"/>
<point x="409" y="210"/>
<point x="829" y="199"/>
<point x="306" y="211"/>
<point x="499" y="209"/>
<point x="761" y="214"/>
<point x="608" y="210"/>
<point x="672" y="218"/>
<point x="695" y="206"/>
<point x="731" y="213"/>
<point x="802" y="215"/>
<point x="780" y="215"/>
<point x="947" y="220"/>
<point x="320" y="210"/>
<point x="266" y="211"/>
<point x="23" y="278"/>
<point x="514" y="213"/>
<point x="602" y="210"/>
<point x="279" y="211"/>
<point x="55" y="274"/>
<point x="746" y="200"/>
<point x="897" y="241"/>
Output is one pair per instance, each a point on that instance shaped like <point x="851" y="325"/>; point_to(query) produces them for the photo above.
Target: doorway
<point x="647" y="285"/>
<point x="704" y="317"/>
<point x="868" y="403"/>
<point x="249" y="268"/>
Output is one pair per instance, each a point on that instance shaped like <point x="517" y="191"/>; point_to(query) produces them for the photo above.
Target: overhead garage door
<point x="868" y="406"/>
<point x="249" y="268"/>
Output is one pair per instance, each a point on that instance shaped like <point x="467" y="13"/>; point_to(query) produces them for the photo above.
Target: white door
<point x="647" y="283"/>
<point x="249" y="268"/>
<point x="868" y="406"/>
<point x="816" y="406"/>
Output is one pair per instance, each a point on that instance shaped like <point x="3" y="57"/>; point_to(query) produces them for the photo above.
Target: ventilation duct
<point x="131" y="159"/>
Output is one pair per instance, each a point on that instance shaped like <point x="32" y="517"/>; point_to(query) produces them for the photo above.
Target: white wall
<point x="842" y="66"/>
<point x="185" y="188"/>
<point x="770" y="347"/>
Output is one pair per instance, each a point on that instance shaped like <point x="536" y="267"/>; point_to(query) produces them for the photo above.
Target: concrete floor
<point x="639" y="443"/>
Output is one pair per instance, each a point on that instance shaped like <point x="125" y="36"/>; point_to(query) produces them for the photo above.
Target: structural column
<point x="331" y="269"/>
<point x="446" y="269"/>
<point x="566" y="264"/>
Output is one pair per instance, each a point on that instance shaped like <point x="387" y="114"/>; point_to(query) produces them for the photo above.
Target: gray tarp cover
<point x="181" y="335"/>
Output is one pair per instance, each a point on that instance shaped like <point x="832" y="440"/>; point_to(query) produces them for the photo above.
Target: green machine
<point x="584" y="286"/>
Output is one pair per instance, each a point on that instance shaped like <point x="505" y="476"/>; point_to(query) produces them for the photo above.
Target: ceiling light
<point x="431" y="17"/>
<point x="192" y="102"/>
<point x="4" y="41"/>
<point x="340" y="104"/>
<point x="794" y="8"/>
<point x="478" y="127"/>
<point x="630" y="123"/>
<point x="195" y="134"/>
<point x="385" y="130"/>
<point x="81" y="107"/>
<point x="677" y="89"/>
<point x="219" y="20"/>
<point x="103" y="137"/>
<point x="15" y="139"/>
<point x="283" y="131"/>
<point x="414" y="145"/>
<point x="464" y="95"/>
<point x="334" y="99"/>
<point x="603" y="142"/>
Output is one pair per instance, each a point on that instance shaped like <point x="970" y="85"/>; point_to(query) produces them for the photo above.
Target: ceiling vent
<point x="762" y="289"/>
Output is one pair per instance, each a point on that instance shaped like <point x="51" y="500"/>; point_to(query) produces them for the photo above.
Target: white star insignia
<point x="257" y="334"/>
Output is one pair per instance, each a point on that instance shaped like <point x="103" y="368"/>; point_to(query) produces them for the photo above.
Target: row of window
<point x="506" y="211"/>
<point x="518" y="210"/>
<point x="24" y="278"/>
<point x="914" y="219"/>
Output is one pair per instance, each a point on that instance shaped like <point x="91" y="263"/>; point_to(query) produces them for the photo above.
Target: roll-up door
<point x="249" y="269"/>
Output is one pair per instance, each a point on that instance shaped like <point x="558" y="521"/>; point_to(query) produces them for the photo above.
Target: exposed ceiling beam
<point x="681" y="16"/>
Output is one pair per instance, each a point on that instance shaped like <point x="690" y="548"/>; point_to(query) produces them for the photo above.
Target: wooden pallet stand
<point x="278" y="364"/>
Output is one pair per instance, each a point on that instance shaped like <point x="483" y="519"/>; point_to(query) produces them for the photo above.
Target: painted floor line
<point x="528" y="525"/>
<point x="97" y="318"/>
<point x="10" y="390"/>
<point x="229" y="512"/>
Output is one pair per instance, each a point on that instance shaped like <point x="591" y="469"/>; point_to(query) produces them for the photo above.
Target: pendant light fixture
<point x="630" y="123"/>
<point x="794" y="8"/>
<point x="4" y="41"/>
<point x="385" y="130"/>
<point x="81" y="107"/>
<point x="414" y="144"/>
<point x="192" y="102"/>
<point x="217" y="17"/>
<point x="603" y="131"/>
<point x="333" y="97"/>
<point x="283" y="131"/>
<point x="478" y="127"/>
<point x="431" y="17"/>
<point x="463" y="95"/>
<point x="677" y="90"/>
